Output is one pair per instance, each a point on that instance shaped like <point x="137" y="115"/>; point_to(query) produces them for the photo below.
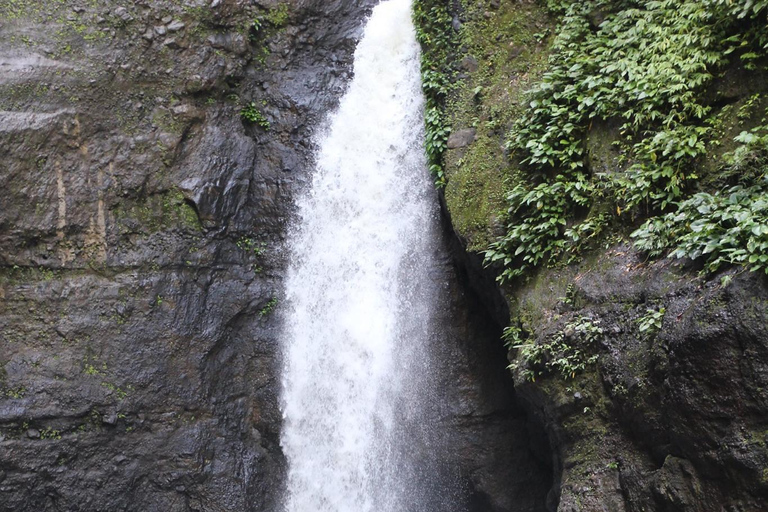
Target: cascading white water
<point x="358" y="293"/>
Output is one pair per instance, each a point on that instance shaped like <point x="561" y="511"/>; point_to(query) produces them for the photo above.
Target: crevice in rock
<point x="538" y="462"/>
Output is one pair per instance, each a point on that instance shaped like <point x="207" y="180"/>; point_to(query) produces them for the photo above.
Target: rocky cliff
<point x="150" y="155"/>
<point x="140" y="243"/>
<point x="649" y="374"/>
<point x="151" y="152"/>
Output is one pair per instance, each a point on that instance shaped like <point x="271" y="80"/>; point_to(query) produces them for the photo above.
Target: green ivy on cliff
<point x="568" y="353"/>
<point x="438" y="43"/>
<point x="728" y="227"/>
<point x="646" y="66"/>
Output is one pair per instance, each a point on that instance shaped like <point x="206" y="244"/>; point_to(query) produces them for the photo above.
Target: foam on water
<point x="358" y="293"/>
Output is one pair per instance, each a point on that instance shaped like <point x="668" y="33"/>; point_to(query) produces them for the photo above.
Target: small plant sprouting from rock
<point x="568" y="353"/>
<point x="90" y="369"/>
<point x="251" y="246"/>
<point x="651" y="322"/>
<point x="278" y="15"/>
<point x="512" y="336"/>
<point x="255" y="28"/>
<point x="118" y="391"/>
<point x="50" y="433"/>
<point x="570" y="295"/>
<point x="15" y="393"/>
<point x="268" y="308"/>
<point x="251" y="113"/>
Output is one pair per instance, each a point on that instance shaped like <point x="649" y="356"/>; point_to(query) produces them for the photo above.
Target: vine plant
<point x="438" y="41"/>
<point x="646" y="65"/>
<point x="569" y="352"/>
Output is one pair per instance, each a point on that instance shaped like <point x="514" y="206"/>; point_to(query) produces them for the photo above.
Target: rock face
<point x="649" y="380"/>
<point x="141" y="223"/>
<point x="501" y="451"/>
<point x="670" y="417"/>
<point x="150" y="153"/>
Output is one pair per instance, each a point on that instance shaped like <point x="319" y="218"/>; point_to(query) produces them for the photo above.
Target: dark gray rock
<point x="468" y="64"/>
<point x="461" y="138"/>
<point x="129" y="314"/>
<point x="680" y="413"/>
<point x="131" y="341"/>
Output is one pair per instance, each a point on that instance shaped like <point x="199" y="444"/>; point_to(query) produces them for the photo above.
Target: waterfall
<point x="356" y="373"/>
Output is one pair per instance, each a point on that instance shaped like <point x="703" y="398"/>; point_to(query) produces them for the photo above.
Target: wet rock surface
<point x="671" y="416"/>
<point x="142" y="223"/>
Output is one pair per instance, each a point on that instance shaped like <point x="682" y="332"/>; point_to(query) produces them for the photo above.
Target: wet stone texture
<point x="141" y="229"/>
<point x="670" y="417"/>
<point x="149" y="156"/>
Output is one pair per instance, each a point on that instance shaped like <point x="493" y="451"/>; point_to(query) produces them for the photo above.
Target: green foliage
<point x="118" y="391"/>
<point x="251" y="245"/>
<point x="90" y="369"/>
<point x="541" y="214"/>
<point x="724" y="228"/>
<point x="512" y="336"/>
<point x="438" y="43"/>
<point x="268" y="307"/>
<point x="645" y="65"/>
<point x="752" y="153"/>
<point x="252" y="248"/>
<point x="251" y="113"/>
<point x="567" y="353"/>
<point x="570" y="295"/>
<point x="50" y="433"/>
<point x="651" y="322"/>
<point x="744" y="8"/>
<point x="255" y="29"/>
<point x="278" y="16"/>
<point x="15" y="393"/>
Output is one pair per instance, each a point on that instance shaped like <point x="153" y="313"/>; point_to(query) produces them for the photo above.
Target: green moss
<point x="158" y="212"/>
<point x="510" y="50"/>
<point x="11" y="10"/>
<point x="473" y="193"/>
<point x="278" y="15"/>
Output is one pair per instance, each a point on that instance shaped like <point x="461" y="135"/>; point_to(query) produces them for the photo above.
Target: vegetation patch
<point x="251" y="113"/>
<point x="439" y="41"/>
<point x="568" y="353"/>
<point x="648" y="66"/>
<point x="728" y="227"/>
<point x="649" y="73"/>
<point x="268" y="308"/>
